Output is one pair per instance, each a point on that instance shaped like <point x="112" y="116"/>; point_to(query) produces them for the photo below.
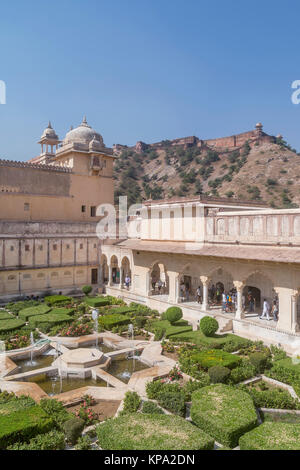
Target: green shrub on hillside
<point x="6" y="315"/>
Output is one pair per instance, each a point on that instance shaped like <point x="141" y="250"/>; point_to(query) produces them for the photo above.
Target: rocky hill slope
<point x="260" y="170"/>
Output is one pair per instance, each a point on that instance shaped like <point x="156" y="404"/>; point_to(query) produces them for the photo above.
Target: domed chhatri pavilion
<point x="81" y="139"/>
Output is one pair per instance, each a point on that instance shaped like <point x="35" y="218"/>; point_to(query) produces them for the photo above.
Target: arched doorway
<point x="115" y="270"/>
<point x="220" y="281"/>
<point x="125" y="271"/>
<point x="257" y="288"/>
<point x="104" y="269"/>
<point x="159" y="281"/>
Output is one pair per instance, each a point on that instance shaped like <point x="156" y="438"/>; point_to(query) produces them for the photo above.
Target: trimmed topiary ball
<point x="218" y="374"/>
<point x="209" y="326"/>
<point x="87" y="290"/>
<point x="173" y="314"/>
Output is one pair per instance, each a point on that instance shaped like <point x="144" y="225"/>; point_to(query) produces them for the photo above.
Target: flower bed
<point x="139" y="431"/>
<point x="223" y="412"/>
<point x="76" y="329"/>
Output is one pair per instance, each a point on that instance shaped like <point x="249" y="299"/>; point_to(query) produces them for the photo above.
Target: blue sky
<point x="147" y="69"/>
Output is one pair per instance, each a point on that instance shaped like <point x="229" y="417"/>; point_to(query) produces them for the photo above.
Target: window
<point x="95" y="245"/>
<point x="68" y="247"/>
<point x="83" y="208"/>
<point x="27" y="248"/>
<point x="104" y="163"/>
<point x="93" y="211"/>
<point x="41" y="276"/>
<point x="12" y="248"/>
<point x="67" y="273"/>
<point x="11" y="278"/>
<point x="54" y="274"/>
<point x="41" y="247"/>
<point x="26" y="206"/>
<point x="26" y="276"/>
<point x="54" y="247"/>
<point x="81" y="246"/>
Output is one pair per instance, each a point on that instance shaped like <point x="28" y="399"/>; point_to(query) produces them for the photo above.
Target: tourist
<point x="153" y="284"/>
<point x="274" y="310"/>
<point x="187" y="293"/>
<point x="159" y="286"/>
<point x="224" y="301"/>
<point x="127" y="282"/>
<point x="198" y="295"/>
<point x="243" y="302"/>
<point x="266" y="310"/>
<point x="212" y="292"/>
<point x="182" y="291"/>
<point x="251" y="302"/>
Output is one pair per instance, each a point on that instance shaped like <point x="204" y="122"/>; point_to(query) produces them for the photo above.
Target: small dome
<point x="83" y="134"/>
<point x="49" y="133"/>
<point x="259" y="124"/>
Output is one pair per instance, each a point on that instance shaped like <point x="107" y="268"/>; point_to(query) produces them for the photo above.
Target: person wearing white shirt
<point x="266" y="310"/>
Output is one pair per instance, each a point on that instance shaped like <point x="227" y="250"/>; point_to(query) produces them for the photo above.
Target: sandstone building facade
<point x="198" y="242"/>
<point x="48" y="214"/>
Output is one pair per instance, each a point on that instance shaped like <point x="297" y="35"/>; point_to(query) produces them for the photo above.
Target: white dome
<point x="49" y="133"/>
<point x="83" y="134"/>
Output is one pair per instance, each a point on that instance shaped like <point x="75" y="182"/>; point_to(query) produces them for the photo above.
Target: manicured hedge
<point x="209" y="326"/>
<point x="224" y="412"/>
<point x="11" y="324"/>
<point x="26" y="313"/>
<point x="110" y="321"/>
<point x="285" y="371"/>
<point x="217" y="341"/>
<point x="215" y="357"/>
<point x="120" y="310"/>
<point x="57" y="299"/>
<point x="61" y="310"/>
<point x="139" y="431"/>
<point x="6" y="315"/>
<point x="23" y="425"/>
<point x="272" y="436"/>
<point x="97" y="301"/>
<point x="164" y="327"/>
<point x="53" y="318"/>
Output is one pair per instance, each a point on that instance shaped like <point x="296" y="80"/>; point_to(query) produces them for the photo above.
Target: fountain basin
<point x="80" y="358"/>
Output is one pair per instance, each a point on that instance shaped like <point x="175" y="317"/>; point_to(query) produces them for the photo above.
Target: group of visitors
<point x="185" y="292"/>
<point x="160" y="285"/>
<point x="268" y="310"/>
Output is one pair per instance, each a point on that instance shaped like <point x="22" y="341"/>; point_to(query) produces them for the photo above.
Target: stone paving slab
<point x="23" y="388"/>
<point x="33" y="373"/>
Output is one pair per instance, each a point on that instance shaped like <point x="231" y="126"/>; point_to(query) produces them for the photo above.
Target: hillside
<point x="264" y="169"/>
